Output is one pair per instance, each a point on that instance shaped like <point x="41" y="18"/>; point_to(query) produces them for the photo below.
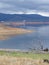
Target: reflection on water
<point x="30" y="40"/>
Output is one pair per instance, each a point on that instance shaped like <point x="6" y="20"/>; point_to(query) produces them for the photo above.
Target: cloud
<point x="25" y="6"/>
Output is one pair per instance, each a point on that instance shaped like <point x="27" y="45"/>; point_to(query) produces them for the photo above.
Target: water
<point x="31" y="40"/>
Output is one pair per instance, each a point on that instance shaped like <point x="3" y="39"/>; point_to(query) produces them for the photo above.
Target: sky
<point x="25" y="7"/>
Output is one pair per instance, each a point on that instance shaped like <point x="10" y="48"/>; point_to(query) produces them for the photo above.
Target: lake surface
<point x="32" y="40"/>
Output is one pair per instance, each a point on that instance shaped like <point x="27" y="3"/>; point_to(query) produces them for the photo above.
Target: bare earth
<point x="6" y="32"/>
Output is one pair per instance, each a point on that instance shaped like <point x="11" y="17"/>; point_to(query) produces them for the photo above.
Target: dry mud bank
<point x="6" y="32"/>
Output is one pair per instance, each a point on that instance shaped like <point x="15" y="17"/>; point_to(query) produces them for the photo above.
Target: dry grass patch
<point x="9" y="60"/>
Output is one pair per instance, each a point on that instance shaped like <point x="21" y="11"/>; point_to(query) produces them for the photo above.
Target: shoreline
<point x="13" y="50"/>
<point x="7" y="32"/>
<point x="24" y="51"/>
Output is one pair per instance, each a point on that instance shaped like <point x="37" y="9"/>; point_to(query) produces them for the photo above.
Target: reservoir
<point x="32" y="40"/>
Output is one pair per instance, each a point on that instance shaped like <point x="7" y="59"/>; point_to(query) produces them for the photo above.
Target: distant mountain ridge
<point x="22" y="17"/>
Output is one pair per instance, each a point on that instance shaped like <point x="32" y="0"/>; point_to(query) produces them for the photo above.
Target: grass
<point x="28" y="55"/>
<point x="19" y="58"/>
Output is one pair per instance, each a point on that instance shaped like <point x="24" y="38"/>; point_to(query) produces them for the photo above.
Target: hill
<point x="22" y="17"/>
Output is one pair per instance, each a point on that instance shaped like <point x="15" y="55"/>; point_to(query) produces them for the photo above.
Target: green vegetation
<point x="28" y="55"/>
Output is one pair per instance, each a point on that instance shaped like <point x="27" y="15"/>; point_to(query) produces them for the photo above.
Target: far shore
<point x="6" y="31"/>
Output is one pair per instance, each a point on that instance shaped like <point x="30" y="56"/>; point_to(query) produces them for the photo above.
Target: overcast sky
<point x="25" y="6"/>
